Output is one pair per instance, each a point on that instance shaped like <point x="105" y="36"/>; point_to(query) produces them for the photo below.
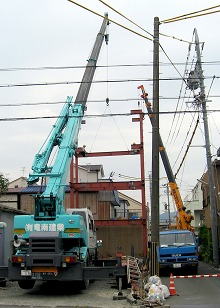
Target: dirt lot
<point x="99" y="294"/>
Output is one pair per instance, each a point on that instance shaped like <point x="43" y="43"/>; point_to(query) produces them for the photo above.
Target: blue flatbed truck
<point x="178" y="249"/>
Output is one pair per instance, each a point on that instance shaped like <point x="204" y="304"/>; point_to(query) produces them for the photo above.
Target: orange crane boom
<point x="184" y="219"/>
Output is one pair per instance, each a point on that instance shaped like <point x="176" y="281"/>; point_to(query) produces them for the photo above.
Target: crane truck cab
<point x="90" y="227"/>
<point x="178" y="249"/>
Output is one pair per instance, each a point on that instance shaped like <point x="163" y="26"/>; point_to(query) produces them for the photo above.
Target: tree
<point x="205" y="237"/>
<point x="3" y="184"/>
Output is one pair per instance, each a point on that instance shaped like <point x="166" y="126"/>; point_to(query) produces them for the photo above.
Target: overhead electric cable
<point x="178" y="99"/>
<point x="95" y="81"/>
<point x="191" y="15"/>
<point x="175" y="130"/>
<point x="171" y="62"/>
<point x="125" y="17"/>
<point x="188" y="146"/>
<point x="91" y="101"/>
<point x="173" y="37"/>
<point x="13" y="69"/>
<point x="126" y="28"/>
<point x="101" y="115"/>
<point x="166" y="35"/>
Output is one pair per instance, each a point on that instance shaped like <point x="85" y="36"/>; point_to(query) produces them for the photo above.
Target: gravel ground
<point x="99" y="294"/>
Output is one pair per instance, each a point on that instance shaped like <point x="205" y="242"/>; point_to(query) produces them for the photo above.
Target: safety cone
<point x="172" y="286"/>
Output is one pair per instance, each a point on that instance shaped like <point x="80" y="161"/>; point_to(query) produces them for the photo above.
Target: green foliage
<point x="3" y="184"/>
<point x="205" y="237"/>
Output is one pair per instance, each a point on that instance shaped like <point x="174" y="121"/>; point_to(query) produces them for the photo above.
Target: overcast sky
<point x="57" y="33"/>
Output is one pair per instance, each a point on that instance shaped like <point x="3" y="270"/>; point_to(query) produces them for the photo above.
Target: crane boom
<point x="64" y="137"/>
<point x="184" y="221"/>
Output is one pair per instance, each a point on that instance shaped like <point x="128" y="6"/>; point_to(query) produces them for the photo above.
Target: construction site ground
<point x="190" y="292"/>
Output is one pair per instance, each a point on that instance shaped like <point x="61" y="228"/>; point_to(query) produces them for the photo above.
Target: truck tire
<point x="26" y="284"/>
<point x="83" y="285"/>
<point x="195" y="270"/>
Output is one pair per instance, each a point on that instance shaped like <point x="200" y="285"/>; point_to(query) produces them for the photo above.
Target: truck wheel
<point x="195" y="270"/>
<point x="84" y="284"/>
<point x="26" y="284"/>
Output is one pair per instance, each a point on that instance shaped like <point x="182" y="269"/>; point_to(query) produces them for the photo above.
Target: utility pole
<point x="200" y="99"/>
<point x="154" y="267"/>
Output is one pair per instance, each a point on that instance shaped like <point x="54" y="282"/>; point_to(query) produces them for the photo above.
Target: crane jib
<point x="64" y="136"/>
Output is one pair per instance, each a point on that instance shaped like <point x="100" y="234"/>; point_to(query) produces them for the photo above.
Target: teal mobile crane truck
<point x="55" y="244"/>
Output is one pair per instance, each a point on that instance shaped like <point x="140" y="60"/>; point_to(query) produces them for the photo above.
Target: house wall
<point x="85" y="175"/>
<point x="216" y="173"/>
<point x="27" y="203"/>
<point x="7" y="216"/>
<point x="194" y="203"/>
<point x="100" y="210"/>
<point x="206" y="194"/>
<point x="20" y="182"/>
<point x="89" y="200"/>
<point x="9" y="200"/>
<point x="134" y="205"/>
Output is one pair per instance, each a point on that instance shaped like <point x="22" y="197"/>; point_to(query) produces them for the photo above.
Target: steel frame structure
<point x="136" y="149"/>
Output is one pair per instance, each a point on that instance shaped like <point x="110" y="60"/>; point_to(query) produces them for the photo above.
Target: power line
<point x="41" y="68"/>
<point x="171" y="62"/>
<point x="94" y="82"/>
<point x="93" y="101"/>
<point x="173" y="37"/>
<point x="175" y="118"/>
<point x="187" y="149"/>
<point x="191" y="15"/>
<point x="101" y="115"/>
<point x="126" y="28"/>
<point x="125" y="17"/>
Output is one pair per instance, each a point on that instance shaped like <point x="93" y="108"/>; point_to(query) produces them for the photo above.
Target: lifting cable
<point x="97" y="131"/>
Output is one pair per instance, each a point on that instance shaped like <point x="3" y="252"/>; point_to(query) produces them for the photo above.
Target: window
<point x="176" y="239"/>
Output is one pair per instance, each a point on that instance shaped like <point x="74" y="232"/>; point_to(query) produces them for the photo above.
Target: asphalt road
<point x="196" y="292"/>
<point x="192" y="293"/>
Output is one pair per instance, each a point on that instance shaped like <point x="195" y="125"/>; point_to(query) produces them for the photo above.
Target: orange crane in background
<point x="183" y="221"/>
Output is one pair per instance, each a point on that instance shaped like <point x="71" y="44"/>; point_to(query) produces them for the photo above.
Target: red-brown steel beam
<point x="99" y="186"/>
<point x="119" y="222"/>
<point x="135" y="149"/>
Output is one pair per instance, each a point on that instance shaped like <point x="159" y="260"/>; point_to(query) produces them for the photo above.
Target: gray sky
<point x="57" y="33"/>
